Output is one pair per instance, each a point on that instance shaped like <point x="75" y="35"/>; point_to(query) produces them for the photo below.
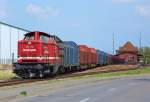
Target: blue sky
<point x="90" y="22"/>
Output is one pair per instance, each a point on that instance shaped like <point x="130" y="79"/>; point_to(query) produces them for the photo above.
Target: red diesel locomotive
<point x="38" y="53"/>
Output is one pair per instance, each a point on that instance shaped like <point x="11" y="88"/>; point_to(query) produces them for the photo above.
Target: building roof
<point x="128" y="47"/>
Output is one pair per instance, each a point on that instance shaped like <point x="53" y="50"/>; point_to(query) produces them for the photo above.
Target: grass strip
<point x="138" y="71"/>
<point x="6" y="75"/>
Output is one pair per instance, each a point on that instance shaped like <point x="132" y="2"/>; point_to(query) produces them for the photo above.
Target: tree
<point x="145" y="52"/>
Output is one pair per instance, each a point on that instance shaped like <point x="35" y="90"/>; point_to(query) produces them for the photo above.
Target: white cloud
<point x="123" y="1"/>
<point x="143" y="10"/>
<point x="42" y="12"/>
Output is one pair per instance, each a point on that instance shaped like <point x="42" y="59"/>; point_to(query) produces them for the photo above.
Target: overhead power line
<point x="14" y="27"/>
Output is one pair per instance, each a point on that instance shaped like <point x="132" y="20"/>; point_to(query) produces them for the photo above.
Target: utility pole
<point x="140" y="40"/>
<point x="113" y="43"/>
<point x="141" y="50"/>
<point x="10" y="42"/>
<point x="143" y="57"/>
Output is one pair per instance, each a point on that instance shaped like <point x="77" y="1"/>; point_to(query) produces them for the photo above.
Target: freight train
<point x="41" y="54"/>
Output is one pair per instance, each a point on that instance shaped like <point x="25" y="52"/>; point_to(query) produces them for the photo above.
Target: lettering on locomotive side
<point x="31" y="50"/>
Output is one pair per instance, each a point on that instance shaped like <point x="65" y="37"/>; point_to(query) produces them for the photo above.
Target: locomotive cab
<point x="29" y="48"/>
<point x="36" y="47"/>
<point x="38" y="54"/>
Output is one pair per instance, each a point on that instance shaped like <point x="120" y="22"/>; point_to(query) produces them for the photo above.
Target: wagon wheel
<point x="61" y="70"/>
<point x="55" y="70"/>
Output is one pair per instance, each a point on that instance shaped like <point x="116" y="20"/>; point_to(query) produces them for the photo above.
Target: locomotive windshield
<point x="29" y="37"/>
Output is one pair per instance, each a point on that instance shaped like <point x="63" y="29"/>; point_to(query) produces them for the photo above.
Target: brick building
<point x="129" y="53"/>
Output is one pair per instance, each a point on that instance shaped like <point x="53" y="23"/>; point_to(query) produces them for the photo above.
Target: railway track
<point x="14" y="82"/>
<point x="75" y="74"/>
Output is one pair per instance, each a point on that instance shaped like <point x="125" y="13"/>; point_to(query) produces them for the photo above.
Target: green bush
<point x="23" y="93"/>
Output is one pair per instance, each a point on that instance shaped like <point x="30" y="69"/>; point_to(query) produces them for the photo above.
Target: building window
<point x="131" y="57"/>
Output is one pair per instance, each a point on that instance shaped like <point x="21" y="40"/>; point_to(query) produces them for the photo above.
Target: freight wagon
<point x="101" y="58"/>
<point x="41" y="54"/>
<point x="83" y="56"/>
<point x="93" y="57"/>
<point x="70" y="56"/>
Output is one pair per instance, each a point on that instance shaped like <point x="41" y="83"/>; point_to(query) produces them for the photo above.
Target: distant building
<point x="129" y="53"/>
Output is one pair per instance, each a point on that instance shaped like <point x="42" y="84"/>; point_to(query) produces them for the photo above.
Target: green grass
<point x="139" y="71"/>
<point x="7" y="74"/>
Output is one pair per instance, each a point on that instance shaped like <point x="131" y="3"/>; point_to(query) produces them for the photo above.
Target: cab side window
<point x="44" y="38"/>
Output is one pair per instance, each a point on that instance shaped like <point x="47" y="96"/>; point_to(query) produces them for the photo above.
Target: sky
<point x="90" y="22"/>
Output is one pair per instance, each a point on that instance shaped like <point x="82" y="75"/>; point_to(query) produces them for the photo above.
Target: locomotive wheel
<point x="41" y="75"/>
